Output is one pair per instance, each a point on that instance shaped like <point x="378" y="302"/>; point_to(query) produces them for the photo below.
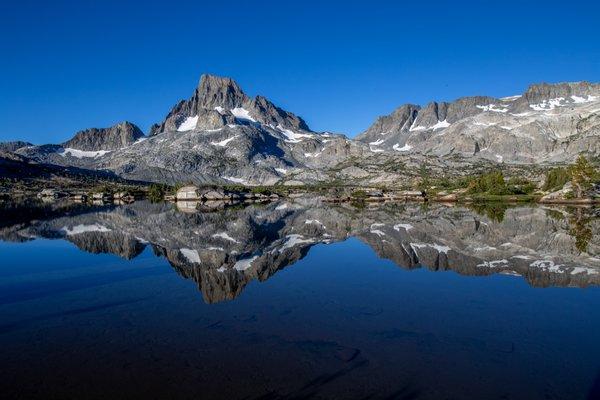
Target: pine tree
<point x="582" y="176"/>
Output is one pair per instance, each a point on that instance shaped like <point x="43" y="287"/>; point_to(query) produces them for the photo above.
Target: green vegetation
<point x="555" y="215"/>
<point x="583" y="175"/>
<point x="556" y="179"/>
<point x="157" y="191"/>
<point x="490" y="183"/>
<point x="359" y="194"/>
<point x="494" y="184"/>
<point x="494" y="210"/>
<point x="579" y="228"/>
<point x="425" y="178"/>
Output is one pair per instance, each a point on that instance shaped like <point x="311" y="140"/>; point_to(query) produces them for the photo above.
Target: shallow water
<point x="299" y="300"/>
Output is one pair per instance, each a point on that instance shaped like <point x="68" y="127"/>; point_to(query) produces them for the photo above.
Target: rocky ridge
<point x="548" y="123"/>
<point x="221" y="135"/>
<point x="105" y="139"/>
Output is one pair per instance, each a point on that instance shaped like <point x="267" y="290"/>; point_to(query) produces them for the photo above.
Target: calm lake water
<point x="299" y="300"/>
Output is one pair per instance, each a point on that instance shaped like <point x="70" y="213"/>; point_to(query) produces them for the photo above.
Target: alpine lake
<point x="298" y="299"/>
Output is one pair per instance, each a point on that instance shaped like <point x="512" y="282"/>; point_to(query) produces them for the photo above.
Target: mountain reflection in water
<point x="347" y="320"/>
<point x="223" y="247"/>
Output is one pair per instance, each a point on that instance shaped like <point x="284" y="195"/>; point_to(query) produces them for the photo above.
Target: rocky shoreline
<point x="208" y="194"/>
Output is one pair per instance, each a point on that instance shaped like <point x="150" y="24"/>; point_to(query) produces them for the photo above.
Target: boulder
<point x="374" y="193"/>
<point x="51" y="193"/>
<point x="188" y="206"/>
<point x="120" y="195"/>
<point x="447" y="197"/>
<point x="188" y="193"/>
<point x="558" y="196"/>
<point x="101" y="196"/>
<point x="78" y="197"/>
<point x="214" y="194"/>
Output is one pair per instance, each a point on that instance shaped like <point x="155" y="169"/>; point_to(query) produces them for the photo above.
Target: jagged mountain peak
<point x="216" y="91"/>
<point x="546" y="91"/>
<point x="222" y="135"/>
<point x="534" y="126"/>
<point x="112" y="138"/>
<point x="220" y="101"/>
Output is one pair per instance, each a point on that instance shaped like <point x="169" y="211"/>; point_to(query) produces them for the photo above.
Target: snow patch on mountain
<point x="191" y="255"/>
<point x="242" y="114"/>
<point x="225" y="235"/>
<point x="244" y="264"/>
<point x="403" y="226"/>
<point x="549" y="104"/>
<point x="579" y="100"/>
<point x="406" y="147"/>
<point x="223" y="143"/>
<point x="188" y="124"/>
<point x="292" y="137"/>
<point x="492" y="108"/>
<point x="82" y="153"/>
<point x="76" y="230"/>
<point x="441" y="125"/>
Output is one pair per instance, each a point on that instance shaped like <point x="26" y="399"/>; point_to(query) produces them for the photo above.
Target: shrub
<point x="156" y="192"/>
<point x="583" y="175"/>
<point x="491" y="183"/>
<point x="359" y="194"/>
<point x="556" y="179"/>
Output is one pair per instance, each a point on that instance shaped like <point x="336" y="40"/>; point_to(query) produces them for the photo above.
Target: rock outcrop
<point x="107" y="139"/>
<point x="13" y="146"/>
<point x="219" y="101"/>
<point x="221" y="135"/>
<point x="548" y="123"/>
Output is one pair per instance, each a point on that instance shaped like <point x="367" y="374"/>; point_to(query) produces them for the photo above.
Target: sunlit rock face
<point x="225" y="248"/>
<point x="105" y="139"/>
<point x="219" y="135"/>
<point x="222" y="135"/>
<point x="547" y="123"/>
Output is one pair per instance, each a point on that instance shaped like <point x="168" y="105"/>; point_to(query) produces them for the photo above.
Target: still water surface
<point x="299" y="300"/>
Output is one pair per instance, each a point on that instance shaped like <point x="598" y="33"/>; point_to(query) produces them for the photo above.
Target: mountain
<point x="13" y="146"/>
<point x="218" y="135"/>
<point x="219" y="101"/>
<point x="16" y="167"/>
<point x="222" y="135"/>
<point x="105" y="139"/>
<point x="548" y="123"/>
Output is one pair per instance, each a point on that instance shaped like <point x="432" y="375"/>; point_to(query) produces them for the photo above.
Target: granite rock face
<point x="107" y="139"/>
<point x="13" y="146"/>
<point x="548" y="123"/>
<point x="221" y="135"/>
<point x="218" y="101"/>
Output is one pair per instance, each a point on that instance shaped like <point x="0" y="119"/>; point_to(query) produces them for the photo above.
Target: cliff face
<point x="539" y="126"/>
<point x="219" y="101"/>
<point x="105" y="139"/>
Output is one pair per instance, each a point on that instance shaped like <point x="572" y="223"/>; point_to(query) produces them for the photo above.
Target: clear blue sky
<point x="71" y="65"/>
